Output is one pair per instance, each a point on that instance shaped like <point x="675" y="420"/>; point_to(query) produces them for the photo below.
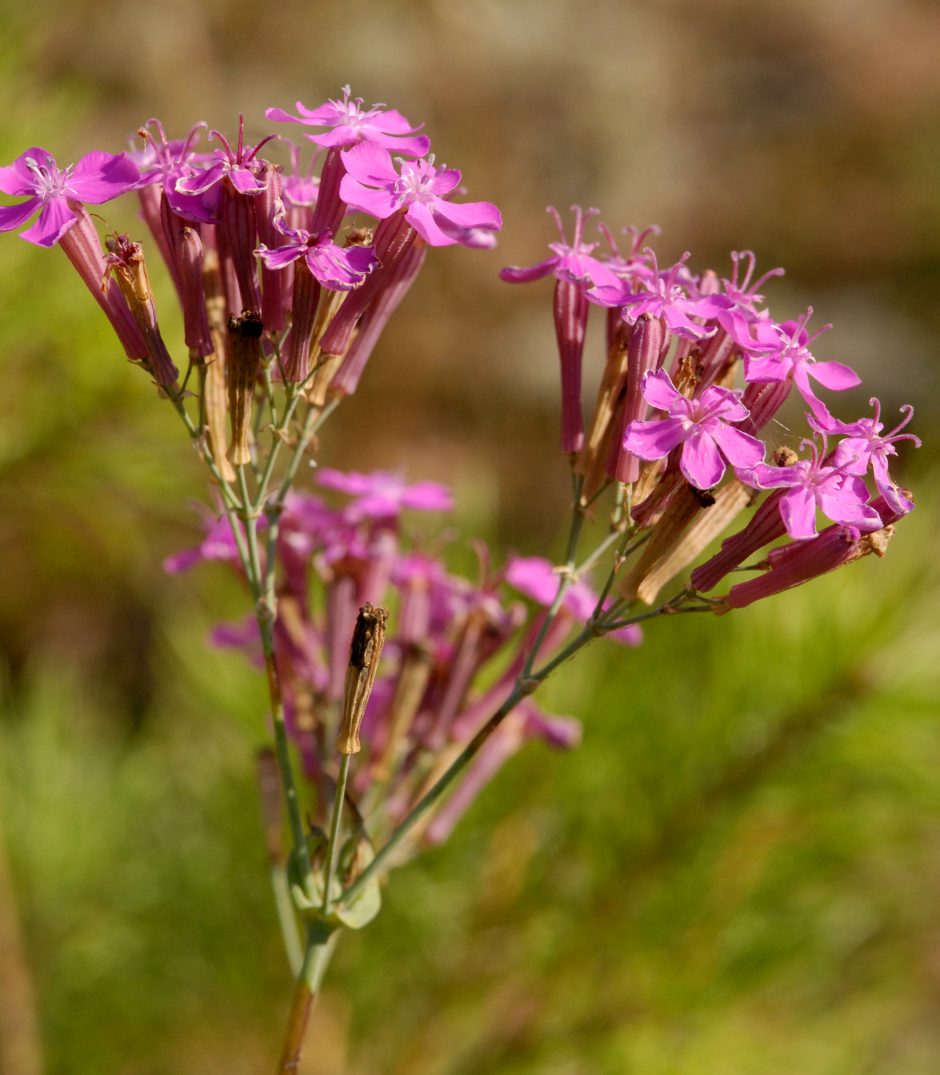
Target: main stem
<point x="319" y="949"/>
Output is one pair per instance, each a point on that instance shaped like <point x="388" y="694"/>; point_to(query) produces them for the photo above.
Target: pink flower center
<point x="50" y="182"/>
<point x="416" y="182"/>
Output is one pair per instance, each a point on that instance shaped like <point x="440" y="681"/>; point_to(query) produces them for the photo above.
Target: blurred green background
<point x="739" y="871"/>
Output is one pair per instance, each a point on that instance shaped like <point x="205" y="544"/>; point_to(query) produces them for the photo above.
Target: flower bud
<point x="126" y="261"/>
<point x="364" y="653"/>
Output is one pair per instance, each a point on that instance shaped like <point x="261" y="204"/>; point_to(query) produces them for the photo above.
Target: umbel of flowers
<point x="400" y="687"/>
<point x="696" y="367"/>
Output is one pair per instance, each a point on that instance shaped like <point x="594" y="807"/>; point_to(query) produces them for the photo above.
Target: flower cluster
<point x="243" y="235"/>
<point x="454" y="647"/>
<point x="670" y="424"/>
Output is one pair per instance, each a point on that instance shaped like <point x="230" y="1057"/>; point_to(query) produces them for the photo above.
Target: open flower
<point x="572" y="262"/>
<point x="373" y="185"/>
<point x="866" y="444"/>
<point x="701" y="426"/>
<point x="351" y="123"/>
<point x="781" y="351"/>
<point x="96" y="178"/>
<point x="381" y="494"/>
<point x="814" y="483"/>
<point x="335" y="267"/>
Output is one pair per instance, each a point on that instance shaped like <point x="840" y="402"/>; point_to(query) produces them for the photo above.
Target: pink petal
<point x="849" y="512"/>
<point x="897" y="501"/>
<point x="724" y="403"/>
<point x="464" y="215"/>
<point x="281" y="257"/>
<point x="701" y="461"/>
<point x="421" y="219"/>
<point x="533" y="576"/>
<point x="54" y="221"/>
<point x="833" y="375"/>
<point x="245" y="182"/>
<point x="445" y="181"/>
<point x="280" y="116"/>
<point x="343" y="135"/>
<point x="660" y="392"/>
<point x="739" y="448"/>
<point x="393" y="122"/>
<point x="415" y="146"/>
<point x="200" y="182"/>
<point x="378" y="203"/>
<point x="798" y="511"/>
<point x="653" y="440"/>
<point x="98" y="177"/>
<point x="17" y="179"/>
<point x="370" y="164"/>
<point x="11" y="216"/>
<point x="514" y="274"/>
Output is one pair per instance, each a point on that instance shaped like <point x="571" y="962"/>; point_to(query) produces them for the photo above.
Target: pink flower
<point x="240" y="166"/>
<point x="817" y="483"/>
<point x="372" y="185"/>
<point x="699" y="425"/>
<point x="382" y="494"/>
<point x="337" y="268"/>
<point x="96" y="178"/>
<point x="663" y="296"/>
<point x="570" y="261"/>
<point x="781" y="350"/>
<point x="537" y="579"/>
<point x="865" y="446"/>
<point x="352" y="123"/>
<point x="218" y="544"/>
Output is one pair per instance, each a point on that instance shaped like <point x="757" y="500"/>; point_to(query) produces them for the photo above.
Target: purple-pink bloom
<point x="537" y="578"/>
<point x="240" y="166"/>
<point x="569" y="261"/>
<point x="866" y="445"/>
<point x="382" y="494"/>
<point x="373" y="185"/>
<point x="699" y="425"/>
<point x="782" y="350"/>
<point x="662" y="295"/>
<point x="352" y="123"/>
<point x="817" y="483"/>
<point x="337" y="268"/>
<point x="163" y="161"/>
<point x="96" y="178"/>
<point x="218" y="544"/>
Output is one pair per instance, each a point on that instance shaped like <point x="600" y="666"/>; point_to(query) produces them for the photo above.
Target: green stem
<point x="265" y="612"/>
<point x="524" y="685"/>
<point x="332" y="849"/>
<point x="286" y="917"/>
<point x="425" y="803"/>
<point x="228" y="497"/>
<point x="565" y="579"/>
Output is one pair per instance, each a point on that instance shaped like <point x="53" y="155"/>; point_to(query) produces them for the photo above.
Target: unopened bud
<point x="364" y="653"/>
<point x="126" y="261"/>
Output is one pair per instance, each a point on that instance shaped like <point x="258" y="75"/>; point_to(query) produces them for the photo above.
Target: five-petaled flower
<point x="817" y="482"/>
<point x="373" y="185"/>
<point x="351" y="123"/>
<point x="699" y="425"/>
<point x="335" y="267"/>
<point x="96" y="178"/>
